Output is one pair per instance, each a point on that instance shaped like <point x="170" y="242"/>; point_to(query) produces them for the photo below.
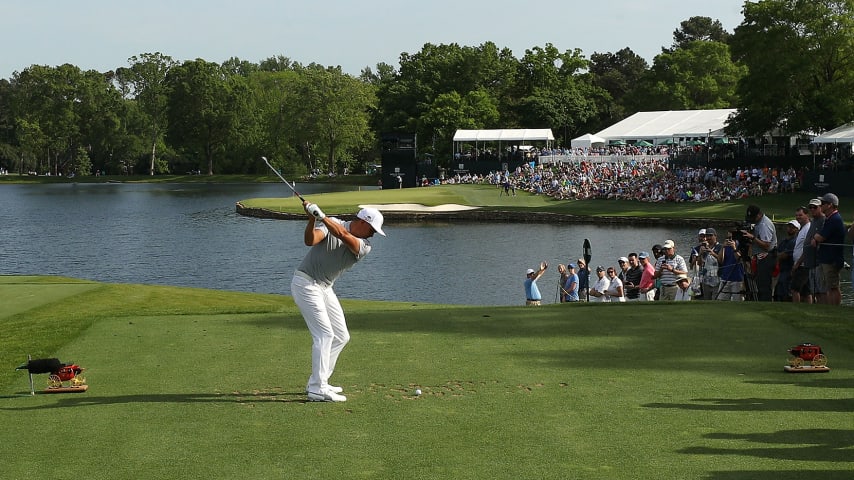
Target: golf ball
<point x="417" y="391"/>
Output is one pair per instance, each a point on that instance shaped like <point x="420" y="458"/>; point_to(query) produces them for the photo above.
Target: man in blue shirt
<point x="532" y="292"/>
<point x="830" y="243"/>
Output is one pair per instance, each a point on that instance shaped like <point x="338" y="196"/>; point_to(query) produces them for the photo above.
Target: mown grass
<point x="189" y="383"/>
<point x="780" y="207"/>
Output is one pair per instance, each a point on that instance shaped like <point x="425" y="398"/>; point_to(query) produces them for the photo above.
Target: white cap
<point x="373" y="217"/>
<point x="623" y="259"/>
<point x="795" y="224"/>
<point x="669" y="244"/>
<point x="530" y="271"/>
<point x="701" y="232"/>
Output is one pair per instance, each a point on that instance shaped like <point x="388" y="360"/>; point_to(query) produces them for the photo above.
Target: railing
<point x="554" y="159"/>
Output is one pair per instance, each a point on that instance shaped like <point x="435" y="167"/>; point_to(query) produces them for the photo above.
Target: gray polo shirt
<point x="327" y="260"/>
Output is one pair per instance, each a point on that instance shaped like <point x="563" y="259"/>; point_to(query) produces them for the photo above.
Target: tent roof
<point x="586" y="140"/>
<point x="667" y="124"/>
<point x="505" y="134"/>
<point x="843" y="134"/>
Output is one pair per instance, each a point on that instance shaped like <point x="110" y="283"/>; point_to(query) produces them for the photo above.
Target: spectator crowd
<point x="747" y="263"/>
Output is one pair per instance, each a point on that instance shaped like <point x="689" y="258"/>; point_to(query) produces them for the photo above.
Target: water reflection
<point x="189" y="235"/>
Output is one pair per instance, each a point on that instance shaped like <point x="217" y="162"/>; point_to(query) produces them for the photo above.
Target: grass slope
<point x="188" y="383"/>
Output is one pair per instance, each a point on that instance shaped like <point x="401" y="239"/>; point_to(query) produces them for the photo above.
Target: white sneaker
<point x="331" y="388"/>
<point x="326" y="396"/>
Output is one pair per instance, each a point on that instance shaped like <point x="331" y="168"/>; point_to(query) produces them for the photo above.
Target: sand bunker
<point x="417" y="207"/>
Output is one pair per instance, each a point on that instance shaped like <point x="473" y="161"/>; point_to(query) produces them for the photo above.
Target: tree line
<point x="787" y="68"/>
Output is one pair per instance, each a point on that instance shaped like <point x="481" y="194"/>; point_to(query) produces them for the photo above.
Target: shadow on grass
<point x="816" y="445"/>
<point x="778" y="474"/>
<point x="763" y="405"/>
<point x="85" y="400"/>
<point x="810" y="382"/>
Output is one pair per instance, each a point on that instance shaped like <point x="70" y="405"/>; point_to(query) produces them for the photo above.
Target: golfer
<point x="335" y="247"/>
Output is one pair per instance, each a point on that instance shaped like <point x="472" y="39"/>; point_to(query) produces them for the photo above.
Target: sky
<point x="102" y="35"/>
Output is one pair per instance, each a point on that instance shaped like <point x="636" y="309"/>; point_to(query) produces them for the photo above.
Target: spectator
<point x="763" y="248"/>
<point x="532" y="292"/>
<point x="799" y="288"/>
<point x="668" y="267"/>
<point x="570" y="288"/>
<point x="615" y="292"/>
<point x="683" y="288"/>
<point x="600" y="287"/>
<point x="785" y="262"/>
<point x="633" y="278"/>
<point x="810" y="253"/>
<point x="646" y="288"/>
<point x="830" y="242"/>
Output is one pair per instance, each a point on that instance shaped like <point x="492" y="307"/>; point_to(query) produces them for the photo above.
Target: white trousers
<point x="325" y="321"/>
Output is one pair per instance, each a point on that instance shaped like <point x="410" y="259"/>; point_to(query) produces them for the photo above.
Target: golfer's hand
<point x="315" y="211"/>
<point x="544" y="266"/>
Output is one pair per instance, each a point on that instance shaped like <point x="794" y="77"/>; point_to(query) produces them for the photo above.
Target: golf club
<point x="283" y="178"/>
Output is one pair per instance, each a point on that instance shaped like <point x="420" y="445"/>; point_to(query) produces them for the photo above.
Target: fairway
<point x="188" y="383"/>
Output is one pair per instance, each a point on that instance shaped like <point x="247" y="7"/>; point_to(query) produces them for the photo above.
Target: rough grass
<point x="188" y="383"/>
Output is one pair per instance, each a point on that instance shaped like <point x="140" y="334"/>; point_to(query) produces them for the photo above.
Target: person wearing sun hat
<point x="532" y="292"/>
<point x="668" y="267"/>
<point x="683" y="288"/>
<point x="335" y="246"/>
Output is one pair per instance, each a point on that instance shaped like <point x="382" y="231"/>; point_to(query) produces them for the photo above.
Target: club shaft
<point x="282" y="178"/>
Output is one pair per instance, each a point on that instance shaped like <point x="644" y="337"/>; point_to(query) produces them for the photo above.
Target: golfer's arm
<point x="337" y="230"/>
<point x="312" y="236"/>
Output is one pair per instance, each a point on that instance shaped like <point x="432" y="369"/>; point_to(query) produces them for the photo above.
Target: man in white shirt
<point x="600" y="287"/>
<point x="800" y="286"/>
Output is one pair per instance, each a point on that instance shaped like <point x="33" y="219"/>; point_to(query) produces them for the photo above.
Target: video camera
<point x="742" y="241"/>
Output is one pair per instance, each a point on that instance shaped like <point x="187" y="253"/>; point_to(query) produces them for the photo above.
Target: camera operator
<point x="730" y="270"/>
<point x="763" y="247"/>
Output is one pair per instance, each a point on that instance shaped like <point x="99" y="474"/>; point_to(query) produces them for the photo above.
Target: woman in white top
<point x="614" y="293"/>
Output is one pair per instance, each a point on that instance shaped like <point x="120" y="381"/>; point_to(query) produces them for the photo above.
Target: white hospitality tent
<point x="515" y="135"/>
<point x="658" y="127"/>
<point x="843" y="134"/>
<point x="505" y="135"/>
<point x="587" y="140"/>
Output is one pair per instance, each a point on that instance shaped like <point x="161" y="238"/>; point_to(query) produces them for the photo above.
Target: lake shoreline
<point x="490" y="216"/>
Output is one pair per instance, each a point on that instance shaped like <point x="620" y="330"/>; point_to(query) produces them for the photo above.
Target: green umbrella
<point x="616" y="142"/>
<point x="643" y="143"/>
<point x="695" y="143"/>
<point x="669" y="141"/>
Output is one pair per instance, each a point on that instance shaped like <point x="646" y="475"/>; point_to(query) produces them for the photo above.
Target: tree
<point x="205" y="108"/>
<point x="329" y="113"/>
<point x="698" y="28"/>
<point x="553" y="92"/>
<point x="145" y="82"/>
<point x="800" y="59"/>
<point x="700" y="75"/>
<point x="618" y="74"/>
<point x="440" y="70"/>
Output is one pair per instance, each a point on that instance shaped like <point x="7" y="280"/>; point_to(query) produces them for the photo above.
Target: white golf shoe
<point x="331" y="388"/>
<point x="326" y="395"/>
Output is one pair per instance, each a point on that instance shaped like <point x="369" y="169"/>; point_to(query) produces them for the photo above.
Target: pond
<point x="189" y="235"/>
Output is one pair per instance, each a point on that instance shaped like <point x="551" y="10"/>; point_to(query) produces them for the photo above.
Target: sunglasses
<point x="813" y="207"/>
